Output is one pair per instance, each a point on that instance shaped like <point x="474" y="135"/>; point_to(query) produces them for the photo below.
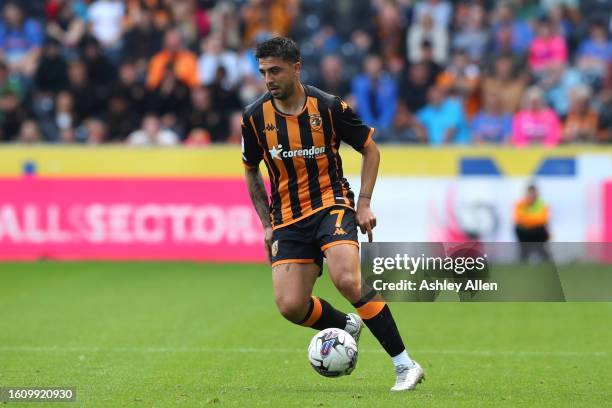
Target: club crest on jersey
<point x="315" y="121"/>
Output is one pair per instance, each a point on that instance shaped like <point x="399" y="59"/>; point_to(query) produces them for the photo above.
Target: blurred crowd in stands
<point x="168" y="72"/>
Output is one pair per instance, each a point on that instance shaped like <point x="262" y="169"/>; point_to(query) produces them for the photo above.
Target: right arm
<point x="251" y="156"/>
<point x="259" y="197"/>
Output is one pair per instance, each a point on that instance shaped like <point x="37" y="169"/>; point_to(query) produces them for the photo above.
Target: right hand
<point x="268" y="242"/>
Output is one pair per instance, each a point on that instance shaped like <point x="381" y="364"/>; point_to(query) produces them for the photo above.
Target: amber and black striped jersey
<point x="301" y="152"/>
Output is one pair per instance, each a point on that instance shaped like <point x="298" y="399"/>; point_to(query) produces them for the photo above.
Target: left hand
<point x="365" y="219"/>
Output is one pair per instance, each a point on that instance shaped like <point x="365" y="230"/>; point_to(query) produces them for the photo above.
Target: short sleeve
<point x="349" y="127"/>
<point x="251" y="151"/>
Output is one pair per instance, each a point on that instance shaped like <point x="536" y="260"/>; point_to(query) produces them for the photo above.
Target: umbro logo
<point x="270" y="127"/>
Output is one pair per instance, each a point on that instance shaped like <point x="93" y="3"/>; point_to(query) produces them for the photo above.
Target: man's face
<point x="435" y="95"/>
<point x="280" y="76"/>
<point x="373" y="67"/>
<point x="532" y="195"/>
<point x="503" y="67"/>
<point x="12" y="14"/>
<point x="172" y="41"/>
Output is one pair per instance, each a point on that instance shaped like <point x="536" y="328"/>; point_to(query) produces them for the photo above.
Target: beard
<point x="280" y="94"/>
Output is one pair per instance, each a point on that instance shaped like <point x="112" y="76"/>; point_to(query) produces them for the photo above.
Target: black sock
<point x="321" y="315"/>
<point x="377" y="316"/>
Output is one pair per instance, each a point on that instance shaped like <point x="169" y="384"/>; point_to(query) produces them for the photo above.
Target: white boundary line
<point x="491" y="353"/>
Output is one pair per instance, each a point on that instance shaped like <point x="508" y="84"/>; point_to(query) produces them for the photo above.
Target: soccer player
<point x="297" y="129"/>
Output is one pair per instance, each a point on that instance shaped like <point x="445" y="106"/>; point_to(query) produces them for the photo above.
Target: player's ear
<point x="297" y="67"/>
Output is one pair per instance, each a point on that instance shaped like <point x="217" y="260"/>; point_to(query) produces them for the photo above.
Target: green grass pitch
<point x="201" y="335"/>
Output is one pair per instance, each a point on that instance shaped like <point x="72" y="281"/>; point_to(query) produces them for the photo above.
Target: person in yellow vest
<point x="531" y="217"/>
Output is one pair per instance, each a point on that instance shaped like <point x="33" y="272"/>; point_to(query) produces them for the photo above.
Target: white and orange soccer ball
<point x="333" y="353"/>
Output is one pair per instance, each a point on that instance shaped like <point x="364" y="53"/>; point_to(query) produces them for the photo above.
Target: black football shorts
<point x="305" y="241"/>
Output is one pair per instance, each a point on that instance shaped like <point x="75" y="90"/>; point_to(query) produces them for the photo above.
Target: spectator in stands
<point x="440" y="10"/>
<point x="273" y="16"/>
<point x="21" y="39"/>
<point x="100" y="60"/>
<point x="105" y="17"/>
<point x="594" y="54"/>
<point x="184" y="18"/>
<point x="174" y="57"/>
<point x="505" y="27"/>
<point x="142" y="40"/>
<point x="68" y="136"/>
<point x="197" y="138"/>
<point x="324" y="41"/>
<point x="133" y="90"/>
<point x="436" y="37"/>
<point x="65" y="118"/>
<point x="90" y="101"/>
<point x="592" y="9"/>
<point x="504" y="83"/>
<point x="557" y="85"/>
<point x="492" y="125"/>
<point x="12" y="111"/>
<point x="92" y="132"/>
<point x="604" y="125"/>
<point x="570" y="5"/>
<point x="535" y="123"/>
<point x="472" y="36"/>
<point x="333" y="78"/>
<point x="151" y="133"/>
<point x="414" y="85"/>
<point x="170" y="100"/>
<point x="462" y="79"/>
<point x="406" y="127"/>
<point x="531" y="217"/>
<point x="29" y="133"/>
<point x="225" y="23"/>
<point x="443" y="119"/>
<point x="526" y="10"/>
<point x="235" y="135"/>
<point x="363" y="46"/>
<point x="581" y="122"/>
<point x="102" y="73"/>
<point x="158" y="10"/>
<point x="52" y="72"/>
<point x="390" y="31"/>
<point x="433" y="68"/>
<point x="375" y="93"/>
<point x="561" y="23"/>
<point x="224" y="98"/>
<point x="120" y="120"/>
<point x="215" y="56"/>
<point x="203" y="114"/>
<point x="548" y="50"/>
<point x="66" y="23"/>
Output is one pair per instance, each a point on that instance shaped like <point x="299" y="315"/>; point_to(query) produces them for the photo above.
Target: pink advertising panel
<point x="128" y="219"/>
<point x="607" y="212"/>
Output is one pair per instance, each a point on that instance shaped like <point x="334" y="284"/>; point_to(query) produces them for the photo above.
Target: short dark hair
<point x="279" y="47"/>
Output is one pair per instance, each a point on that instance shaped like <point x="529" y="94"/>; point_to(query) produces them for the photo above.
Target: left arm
<point x="353" y="131"/>
<point x="369" y="170"/>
